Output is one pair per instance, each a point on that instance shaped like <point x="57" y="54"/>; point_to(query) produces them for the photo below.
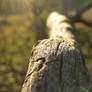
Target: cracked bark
<point x="57" y="65"/>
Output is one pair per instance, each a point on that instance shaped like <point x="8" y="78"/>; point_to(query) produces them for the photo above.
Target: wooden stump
<point x="57" y="64"/>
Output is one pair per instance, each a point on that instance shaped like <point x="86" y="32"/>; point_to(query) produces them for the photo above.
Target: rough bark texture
<point x="56" y="64"/>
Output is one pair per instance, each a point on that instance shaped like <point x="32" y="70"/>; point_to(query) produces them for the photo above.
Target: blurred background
<point x="22" y="23"/>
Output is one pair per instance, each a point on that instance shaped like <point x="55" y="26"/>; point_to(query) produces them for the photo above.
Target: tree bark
<point x="56" y="64"/>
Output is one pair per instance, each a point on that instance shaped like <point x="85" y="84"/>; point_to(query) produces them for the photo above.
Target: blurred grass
<point x="17" y="37"/>
<point x="16" y="40"/>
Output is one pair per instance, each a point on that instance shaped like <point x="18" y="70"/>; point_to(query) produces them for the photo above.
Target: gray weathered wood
<point x="56" y="64"/>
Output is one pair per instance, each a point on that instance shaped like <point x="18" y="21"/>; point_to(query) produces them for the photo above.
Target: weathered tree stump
<point x="57" y="64"/>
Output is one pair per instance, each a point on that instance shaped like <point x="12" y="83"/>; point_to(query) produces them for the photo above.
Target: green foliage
<point x="81" y="89"/>
<point x="86" y="1"/>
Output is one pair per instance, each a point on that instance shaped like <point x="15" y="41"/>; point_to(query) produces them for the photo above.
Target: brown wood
<point x="56" y="64"/>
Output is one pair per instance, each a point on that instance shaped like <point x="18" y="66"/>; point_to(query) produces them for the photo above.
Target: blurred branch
<point x="84" y="9"/>
<point x="78" y="16"/>
<point x="85" y="22"/>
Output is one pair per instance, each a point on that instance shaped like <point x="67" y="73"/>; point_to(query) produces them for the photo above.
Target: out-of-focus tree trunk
<point x="64" y="6"/>
<point x="39" y="25"/>
<point x="11" y="7"/>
